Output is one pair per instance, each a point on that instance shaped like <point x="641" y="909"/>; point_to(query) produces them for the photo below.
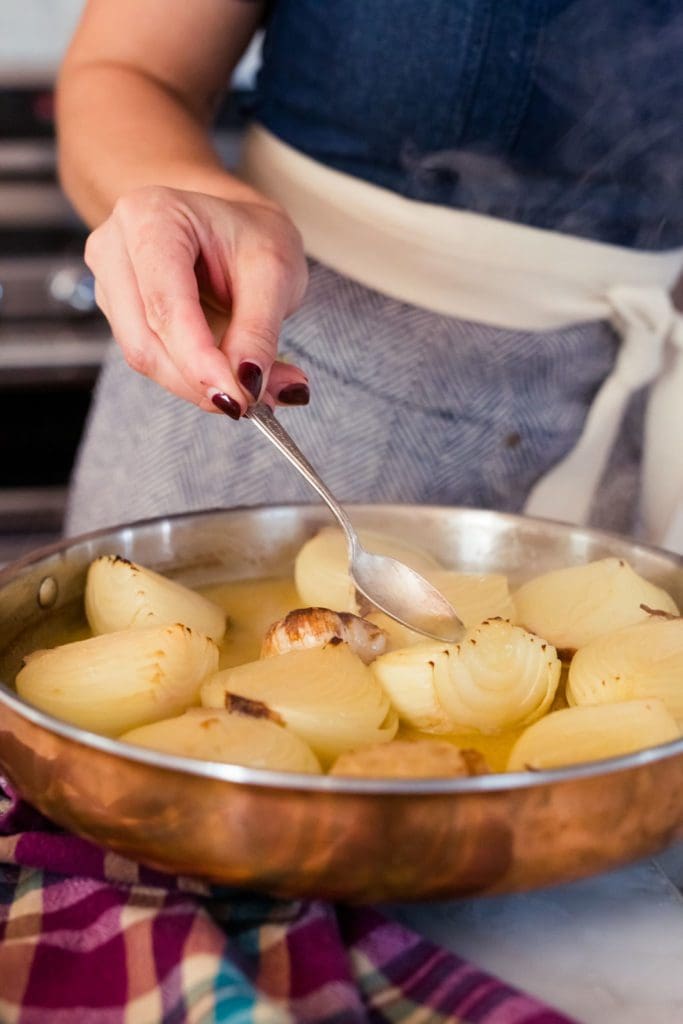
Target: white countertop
<point x="608" y="950"/>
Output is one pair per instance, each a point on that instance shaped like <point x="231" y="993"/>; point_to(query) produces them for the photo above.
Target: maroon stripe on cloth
<point x="170" y="932"/>
<point x="79" y="960"/>
<point x="60" y="853"/>
<point x="426" y="976"/>
<point x="316" y="952"/>
<point x="18" y="816"/>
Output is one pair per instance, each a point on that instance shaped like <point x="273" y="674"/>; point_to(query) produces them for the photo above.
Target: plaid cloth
<point x="88" y="936"/>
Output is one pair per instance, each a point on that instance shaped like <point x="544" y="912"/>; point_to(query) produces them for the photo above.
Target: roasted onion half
<point x="117" y="681"/>
<point x="122" y="595"/>
<point x="475" y="597"/>
<point x="570" y="607"/>
<point x="579" y="734"/>
<point x="326" y="695"/>
<point x="638" y="662"/>
<point x="235" y="737"/>
<point x="408" y="677"/>
<point x="498" y="677"/>
<point x="321" y="569"/>
<point x="411" y="759"/>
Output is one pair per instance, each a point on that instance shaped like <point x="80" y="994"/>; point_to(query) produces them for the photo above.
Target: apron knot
<point x="651" y="350"/>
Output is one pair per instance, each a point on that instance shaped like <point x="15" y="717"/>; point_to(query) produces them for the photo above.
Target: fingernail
<point x="294" y="394"/>
<point x="227" y="405"/>
<point x="251" y="378"/>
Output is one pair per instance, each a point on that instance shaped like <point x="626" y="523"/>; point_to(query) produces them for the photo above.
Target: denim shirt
<point x="561" y="114"/>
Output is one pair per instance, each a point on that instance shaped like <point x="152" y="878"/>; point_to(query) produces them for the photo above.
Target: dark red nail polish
<point x="251" y="378"/>
<point x="294" y="394"/>
<point x="227" y="405"/>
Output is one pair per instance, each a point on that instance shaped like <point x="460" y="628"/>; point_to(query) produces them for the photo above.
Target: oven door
<point x="47" y="372"/>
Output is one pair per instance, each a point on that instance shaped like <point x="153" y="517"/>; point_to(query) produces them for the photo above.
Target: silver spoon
<point x="388" y="584"/>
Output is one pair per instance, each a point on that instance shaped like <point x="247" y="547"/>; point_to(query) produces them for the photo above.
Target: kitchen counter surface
<point x="607" y="950"/>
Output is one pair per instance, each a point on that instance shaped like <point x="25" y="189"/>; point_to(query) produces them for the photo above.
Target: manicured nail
<point x="226" y="404"/>
<point x="251" y="378"/>
<point x="294" y="394"/>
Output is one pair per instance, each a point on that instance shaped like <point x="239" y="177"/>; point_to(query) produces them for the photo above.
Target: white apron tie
<point x="648" y="326"/>
<point x="662" y="472"/>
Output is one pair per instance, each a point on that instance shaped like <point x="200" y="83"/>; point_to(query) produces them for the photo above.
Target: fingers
<point x="119" y="299"/>
<point x="263" y="290"/>
<point x="287" y="385"/>
<point x="163" y="262"/>
<point x="149" y="258"/>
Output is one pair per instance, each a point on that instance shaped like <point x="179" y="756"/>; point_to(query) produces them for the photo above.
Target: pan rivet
<point x="48" y="592"/>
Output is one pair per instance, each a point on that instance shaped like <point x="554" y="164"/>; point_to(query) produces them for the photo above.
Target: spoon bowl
<point x="389" y="585"/>
<point x="404" y="595"/>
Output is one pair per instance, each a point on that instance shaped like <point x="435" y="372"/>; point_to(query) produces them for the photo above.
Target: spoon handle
<point x="263" y="418"/>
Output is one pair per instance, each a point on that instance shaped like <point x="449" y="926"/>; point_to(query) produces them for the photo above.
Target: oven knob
<point x="74" y="287"/>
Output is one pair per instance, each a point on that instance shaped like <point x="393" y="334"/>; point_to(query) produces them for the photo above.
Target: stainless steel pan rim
<point x="478" y="516"/>
<point x="325" y="783"/>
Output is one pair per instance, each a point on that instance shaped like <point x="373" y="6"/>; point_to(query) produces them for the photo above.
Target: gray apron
<point x="406" y="406"/>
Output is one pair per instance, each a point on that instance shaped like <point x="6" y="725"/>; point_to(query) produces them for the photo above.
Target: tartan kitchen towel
<point x="88" y="937"/>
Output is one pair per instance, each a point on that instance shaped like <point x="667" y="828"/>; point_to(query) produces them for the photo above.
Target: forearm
<point x="120" y="129"/>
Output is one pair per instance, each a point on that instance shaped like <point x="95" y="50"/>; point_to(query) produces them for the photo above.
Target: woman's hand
<point x="195" y="289"/>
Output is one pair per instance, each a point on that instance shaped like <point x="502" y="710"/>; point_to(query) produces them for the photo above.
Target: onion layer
<point x="229" y="737"/>
<point x="122" y="595"/>
<point x="570" y="607"/>
<point x="321" y="569"/>
<point x="499" y="677"/>
<point x="638" y="662"/>
<point x="579" y="734"/>
<point x="117" y="681"/>
<point x="326" y="695"/>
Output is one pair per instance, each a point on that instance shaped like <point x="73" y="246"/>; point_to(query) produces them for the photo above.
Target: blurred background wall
<point x="33" y="36"/>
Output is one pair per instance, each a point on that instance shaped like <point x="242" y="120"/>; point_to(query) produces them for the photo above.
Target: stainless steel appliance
<point x="52" y="336"/>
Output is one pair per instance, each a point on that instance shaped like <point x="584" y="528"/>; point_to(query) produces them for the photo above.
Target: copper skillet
<point x="319" y="836"/>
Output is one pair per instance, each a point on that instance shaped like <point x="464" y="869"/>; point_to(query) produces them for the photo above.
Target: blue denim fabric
<point x="562" y="114"/>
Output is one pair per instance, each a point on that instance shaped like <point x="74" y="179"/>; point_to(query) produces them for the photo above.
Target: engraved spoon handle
<point x="263" y="418"/>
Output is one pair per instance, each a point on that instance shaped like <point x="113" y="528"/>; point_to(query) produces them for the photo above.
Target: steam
<point x="613" y="74"/>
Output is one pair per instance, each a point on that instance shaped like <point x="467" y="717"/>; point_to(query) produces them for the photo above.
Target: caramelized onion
<point x="579" y="734"/>
<point x="228" y="736"/>
<point x="122" y="595"/>
<point x="570" y="607"/>
<point x="117" y="681"/>
<point x="638" y="662"/>
<point x="326" y="695"/>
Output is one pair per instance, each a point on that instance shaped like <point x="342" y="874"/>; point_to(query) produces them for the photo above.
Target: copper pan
<point x="319" y="836"/>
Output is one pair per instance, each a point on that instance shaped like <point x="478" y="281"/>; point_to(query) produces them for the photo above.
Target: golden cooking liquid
<point x="251" y="606"/>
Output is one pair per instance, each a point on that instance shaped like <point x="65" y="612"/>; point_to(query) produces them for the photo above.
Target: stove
<point x="52" y="336"/>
